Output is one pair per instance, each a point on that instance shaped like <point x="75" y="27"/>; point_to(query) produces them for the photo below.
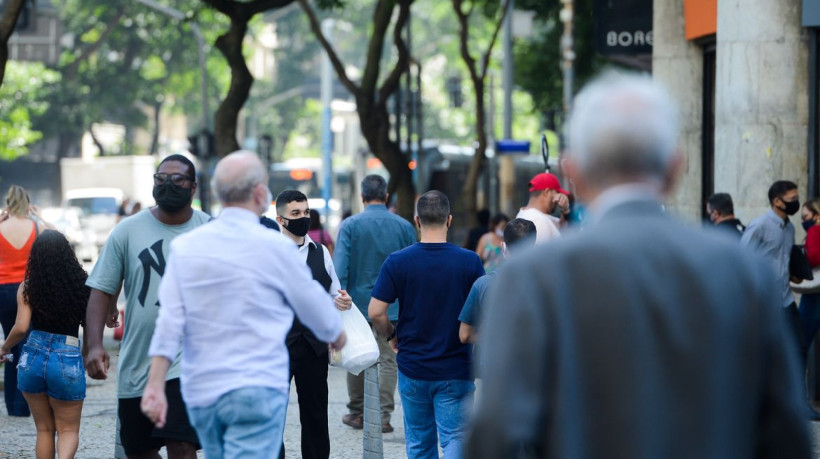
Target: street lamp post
<point x="326" y="91"/>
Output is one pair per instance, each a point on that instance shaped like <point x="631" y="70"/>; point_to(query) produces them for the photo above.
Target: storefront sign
<point x="623" y="27"/>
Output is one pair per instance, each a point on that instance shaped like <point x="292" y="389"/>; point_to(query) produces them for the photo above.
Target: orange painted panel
<point x="700" y="17"/>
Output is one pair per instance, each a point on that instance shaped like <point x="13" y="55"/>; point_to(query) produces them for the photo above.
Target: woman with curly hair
<point x="17" y="232"/>
<point x="51" y="302"/>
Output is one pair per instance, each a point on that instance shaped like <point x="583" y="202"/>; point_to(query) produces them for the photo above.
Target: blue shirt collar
<point x="371" y="207"/>
<point x="772" y="215"/>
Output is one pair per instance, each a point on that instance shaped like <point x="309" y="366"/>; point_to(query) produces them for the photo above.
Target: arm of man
<point x="305" y="296"/>
<point x="341" y="255"/>
<point x="97" y="314"/>
<point x="467" y="328"/>
<point x="341" y="299"/>
<point x="154" y="404"/>
<point x="384" y="293"/>
<point x="377" y="311"/>
<point x="105" y="282"/>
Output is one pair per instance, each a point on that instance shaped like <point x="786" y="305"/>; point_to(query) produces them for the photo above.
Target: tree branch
<point x="334" y="58"/>
<point x="225" y="7"/>
<point x="9" y="19"/>
<point x="258" y="6"/>
<point x="391" y="83"/>
<point x="382" y="16"/>
<point x="464" y="38"/>
<point x="71" y="69"/>
<point x="7" y="23"/>
<point x="485" y="60"/>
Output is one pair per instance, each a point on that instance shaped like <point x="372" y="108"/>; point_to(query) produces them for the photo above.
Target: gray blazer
<point x="639" y="337"/>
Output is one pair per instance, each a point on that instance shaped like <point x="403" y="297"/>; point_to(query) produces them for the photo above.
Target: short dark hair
<point x="180" y="159"/>
<point x="433" y="208"/>
<point x="519" y="231"/>
<point x="286" y="197"/>
<point x="498" y="218"/>
<point x="722" y="203"/>
<point x="374" y="188"/>
<point x="779" y="188"/>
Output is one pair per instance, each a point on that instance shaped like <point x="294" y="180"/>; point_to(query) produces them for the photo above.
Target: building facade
<point x="745" y="75"/>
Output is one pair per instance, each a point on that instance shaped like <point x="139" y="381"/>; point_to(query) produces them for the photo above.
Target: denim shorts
<point x="52" y="364"/>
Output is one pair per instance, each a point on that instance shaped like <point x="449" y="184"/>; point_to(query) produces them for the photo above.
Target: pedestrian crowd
<point x="632" y="335"/>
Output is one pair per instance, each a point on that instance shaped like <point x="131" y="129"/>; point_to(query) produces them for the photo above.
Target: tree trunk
<point x="155" y="135"/>
<point x="227" y="115"/>
<point x="469" y="191"/>
<point x="7" y="23"/>
<point x="375" y="126"/>
<point x="96" y="140"/>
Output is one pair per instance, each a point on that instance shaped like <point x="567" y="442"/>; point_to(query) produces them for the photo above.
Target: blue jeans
<point x="49" y="364"/>
<point x="15" y="403"/>
<point x="245" y="423"/>
<point x="431" y="408"/>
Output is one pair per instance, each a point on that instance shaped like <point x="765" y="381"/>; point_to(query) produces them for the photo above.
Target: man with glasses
<point x="135" y="254"/>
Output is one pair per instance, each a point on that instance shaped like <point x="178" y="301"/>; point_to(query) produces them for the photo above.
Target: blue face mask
<point x="808" y="224"/>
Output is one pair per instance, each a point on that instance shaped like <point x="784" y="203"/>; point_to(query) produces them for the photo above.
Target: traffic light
<point x="453" y="86"/>
<point x="202" y="144"/>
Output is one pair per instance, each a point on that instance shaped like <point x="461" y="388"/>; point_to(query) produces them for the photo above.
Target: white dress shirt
<point x="229" y="294"/>
<point x="331" y="270"/>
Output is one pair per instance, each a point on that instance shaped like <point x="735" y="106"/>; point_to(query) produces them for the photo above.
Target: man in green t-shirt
<point x="135" y="254"/>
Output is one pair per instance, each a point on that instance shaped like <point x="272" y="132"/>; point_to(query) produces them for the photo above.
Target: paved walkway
<point x="17" y="435"/>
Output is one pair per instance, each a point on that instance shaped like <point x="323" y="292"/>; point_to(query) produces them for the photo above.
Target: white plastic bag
<point x="361" y="350"/>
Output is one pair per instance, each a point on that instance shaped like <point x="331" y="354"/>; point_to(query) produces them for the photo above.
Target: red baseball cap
<point x="546" y="181"/>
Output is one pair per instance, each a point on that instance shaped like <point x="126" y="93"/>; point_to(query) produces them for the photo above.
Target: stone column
<point x="761" y="111"/>
<point x="678" y="65"/>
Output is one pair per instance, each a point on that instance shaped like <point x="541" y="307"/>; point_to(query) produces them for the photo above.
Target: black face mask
<point x="298" y="226"/>
<point x="791" y="207"/>
<point x="171" y="198"/>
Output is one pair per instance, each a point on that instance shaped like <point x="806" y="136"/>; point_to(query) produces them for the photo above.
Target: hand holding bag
<point x="361" y="349"/>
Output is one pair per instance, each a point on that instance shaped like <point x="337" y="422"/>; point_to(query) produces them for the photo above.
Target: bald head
<point x="236" y="178"/>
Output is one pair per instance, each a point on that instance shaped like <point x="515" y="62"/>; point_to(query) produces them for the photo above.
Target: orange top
<point x="13" y="260"/>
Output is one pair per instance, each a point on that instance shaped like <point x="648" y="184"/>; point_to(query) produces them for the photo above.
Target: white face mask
<point x="499" y="233"/>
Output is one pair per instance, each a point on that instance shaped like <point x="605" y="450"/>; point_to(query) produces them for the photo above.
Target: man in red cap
<point x="545" y="194"/>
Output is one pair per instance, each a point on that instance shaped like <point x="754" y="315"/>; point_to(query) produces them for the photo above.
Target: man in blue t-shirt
<point x="520" y="234"/>
<point x="431" y="279"/>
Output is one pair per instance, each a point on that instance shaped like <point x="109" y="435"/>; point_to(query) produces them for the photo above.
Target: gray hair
<point x="233" y="183"/>
<point x="623" y="126"/>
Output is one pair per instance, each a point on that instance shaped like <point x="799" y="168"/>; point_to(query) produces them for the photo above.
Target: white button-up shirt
<point x="229" y="295"/>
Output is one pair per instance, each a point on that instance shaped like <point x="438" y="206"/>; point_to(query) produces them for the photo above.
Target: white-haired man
<point x="229" y="295"/>
<point x="641" y="337"/>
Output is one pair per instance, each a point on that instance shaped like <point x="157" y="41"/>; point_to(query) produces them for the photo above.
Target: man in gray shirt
<point x="365" y="240"/>
<point x="772" y="235"/>
<point x="135" y="254"/>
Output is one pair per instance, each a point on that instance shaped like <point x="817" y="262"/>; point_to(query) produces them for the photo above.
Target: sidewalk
<point x="18" y="435"/>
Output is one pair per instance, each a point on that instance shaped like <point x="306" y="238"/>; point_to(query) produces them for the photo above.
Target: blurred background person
<point x="810" y="302"/>
<point x="721" y="212"/>
<point x="481" y="228"/>
<point x="52" y="303"/>
<point x="18" y="229"/>
<point x="519" y="233"/>
<point x="638" y="337"/>
<point x="489" y="246"/>
<point x="318" y="233"/>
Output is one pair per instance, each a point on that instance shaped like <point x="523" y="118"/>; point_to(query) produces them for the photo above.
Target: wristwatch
<point x="392" y="335"/>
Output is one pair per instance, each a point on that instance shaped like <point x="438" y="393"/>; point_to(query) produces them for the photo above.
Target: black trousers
<point x="309" y="373"/>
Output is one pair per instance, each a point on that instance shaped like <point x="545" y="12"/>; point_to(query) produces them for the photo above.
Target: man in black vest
<point x="308" y="355"/>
